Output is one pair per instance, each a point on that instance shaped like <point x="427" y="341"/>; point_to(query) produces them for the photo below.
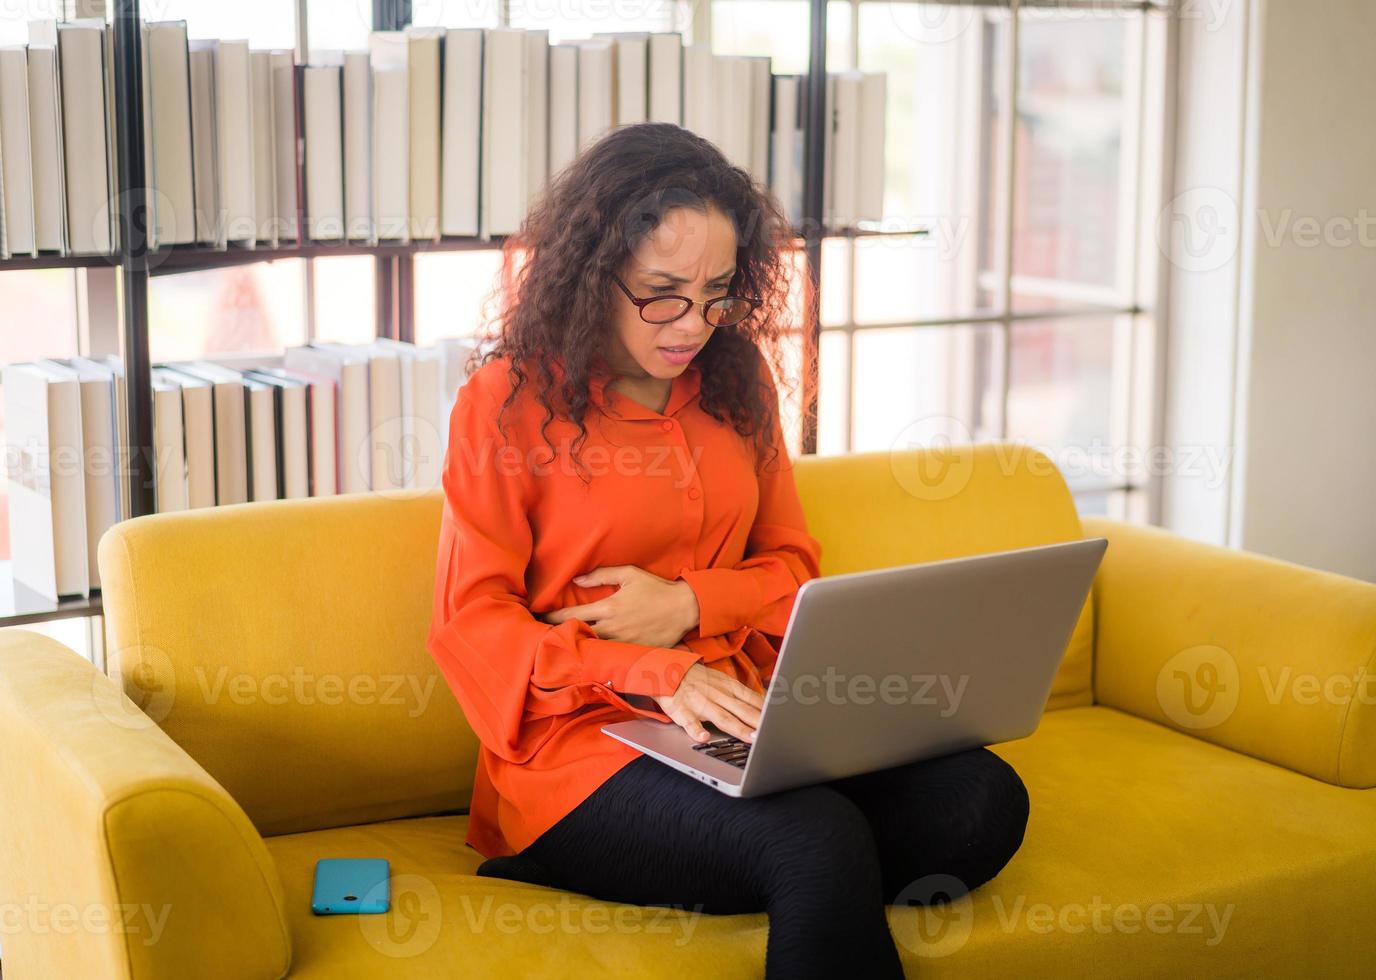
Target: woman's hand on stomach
<point x="644" y="609"/>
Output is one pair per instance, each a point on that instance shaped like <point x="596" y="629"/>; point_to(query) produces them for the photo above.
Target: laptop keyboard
<point x="727" y="748"/>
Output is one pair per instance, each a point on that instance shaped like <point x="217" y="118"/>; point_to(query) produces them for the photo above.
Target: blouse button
<point x="666" y="425"/>
<point x="693" y="493"/>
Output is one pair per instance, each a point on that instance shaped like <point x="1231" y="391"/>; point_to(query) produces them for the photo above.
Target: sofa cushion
<point x="1146" y="849"/>
<point x="876" y="509"/>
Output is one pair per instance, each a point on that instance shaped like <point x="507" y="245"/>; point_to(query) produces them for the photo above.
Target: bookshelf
<point x="136" y="263"/>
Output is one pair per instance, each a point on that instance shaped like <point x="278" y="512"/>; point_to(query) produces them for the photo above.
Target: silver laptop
<point x="885" y="667"/>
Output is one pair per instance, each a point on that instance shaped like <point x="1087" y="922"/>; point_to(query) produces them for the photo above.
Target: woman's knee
<point x="988" y="825"/>
<point x="817" y="834"/>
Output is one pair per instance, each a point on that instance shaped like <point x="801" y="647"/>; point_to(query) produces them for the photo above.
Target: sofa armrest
<point x="1260" y="655"/>
<point x="121" y="856"/>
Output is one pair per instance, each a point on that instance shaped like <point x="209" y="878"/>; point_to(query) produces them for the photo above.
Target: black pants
<point x="822" y="860"/>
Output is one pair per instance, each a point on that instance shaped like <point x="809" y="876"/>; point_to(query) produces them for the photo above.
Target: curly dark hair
<point x="557" y="273"/>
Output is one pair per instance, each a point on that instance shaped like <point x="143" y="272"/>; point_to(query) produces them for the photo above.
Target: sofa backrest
<point x="877" y="509"/>
<point x="282" y="643"/>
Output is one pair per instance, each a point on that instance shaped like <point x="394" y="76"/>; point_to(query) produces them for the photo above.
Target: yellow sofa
<point x="1200" y="785"/>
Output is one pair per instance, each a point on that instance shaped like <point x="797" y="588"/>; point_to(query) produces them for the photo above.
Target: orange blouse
<point x="676" y="493"/>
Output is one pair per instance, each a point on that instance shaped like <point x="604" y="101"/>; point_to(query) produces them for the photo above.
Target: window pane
<point x="947" y="70"/>
<point x="833" y="392"/>
<point x="345" y="299"/>
<point x="779" y="29"/>
<point x="1060" y="395"/>
<point x="39" y="314"/>
<point x="567" y="21"/>
<point x="1118" y="505"/>
<point x="470" y="13"/>
<point x="1069" y="186"/>
<point x="263" y="23"/>
<point x="339" y="24"/>
<point x="918" y="384"/>
<point x="451" y="290"/>
<point x="240" y="310"/>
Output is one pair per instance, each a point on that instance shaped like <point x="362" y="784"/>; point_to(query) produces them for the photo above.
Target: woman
<point x="622" y="537"/>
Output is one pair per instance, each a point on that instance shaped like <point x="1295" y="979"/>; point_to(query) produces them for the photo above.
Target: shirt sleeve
<point x="780" y="556"/>
<point x="513" y="674"/>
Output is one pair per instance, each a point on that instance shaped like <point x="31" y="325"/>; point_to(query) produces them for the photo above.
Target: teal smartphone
<point x="351" y="886"/>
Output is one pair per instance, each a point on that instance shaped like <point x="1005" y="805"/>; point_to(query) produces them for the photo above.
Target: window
<point x="1018" y="313"/>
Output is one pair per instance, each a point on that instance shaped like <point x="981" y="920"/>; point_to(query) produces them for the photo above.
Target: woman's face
<point x="688" y="254"/>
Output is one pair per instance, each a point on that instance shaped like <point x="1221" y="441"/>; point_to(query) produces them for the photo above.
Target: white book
<point x="347" y="368"/>
<point x="205" y="157"/>
<point x="16" y="156"/>
<point x="596" y="90"/>
<point x="231" y="431"/>
<point x="321" y="87"/>
<point x="759" y="117"/>
<point x="84" y="139"/>
<point x="234" y="140"/>
<point x="47" y="499"/>
<point x="264" y="151"/>
<point x="423" y="69"/>
<point x="286" y="130"/>
<point x="293" y="401"/>
<point x="700" y="91"/>
<point x="358" y="144"/>
<point x="734" y="101"/>
<point x="537" y="112"/>
<point x="873" y="107"/>
<point x="503" y="203"/>
<point x="385" y="422"/>
<point x="421" y="411"/>
<point x="846" y="151"/>
<point x="322" y="472"/>
<point x="563" y="106"/>
<point x="169" y="444"/>
<point x="45" y="142"/>
<point x="461" y="130"/>
<point x="666" y="78"/>
<point x="786" y="155"/>
<point x="391" y="195"/>
<point x="631" y="51"/>
<point x="260" y="411"/>
<point x="123" y="508"/>
<point x="454" y="353"/>
<point x="167" y="133"/>
<point x="98" y="441"/>
<point x="198" y="429"/>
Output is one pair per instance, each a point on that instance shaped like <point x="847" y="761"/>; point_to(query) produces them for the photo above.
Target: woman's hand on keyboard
<point x="705" y="694"/>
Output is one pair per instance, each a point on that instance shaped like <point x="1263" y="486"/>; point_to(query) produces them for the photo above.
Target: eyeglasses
<point x="723" y="311"/>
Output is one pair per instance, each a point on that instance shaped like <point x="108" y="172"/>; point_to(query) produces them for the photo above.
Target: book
<point x="357" y="147"/>
<point x="504" y="132"/>
<point x="322" y="101"/>
<point x="46" y="481"/>
<point x="460" y="131"/>
<point x="263" y="129"/>
<point x="85" y="113"/>
<point x="167" y="133"/>
<point x="16" y="156"/>
<point x="423" y="69"/>
<point x="234" y="141"/>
